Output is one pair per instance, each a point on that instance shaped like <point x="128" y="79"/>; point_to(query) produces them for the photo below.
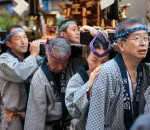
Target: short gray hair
<point x="59" y="45"/>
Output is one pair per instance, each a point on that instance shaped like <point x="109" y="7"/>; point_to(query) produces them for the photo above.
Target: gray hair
<point x="123" y="25"/>
<point x="59" y="45"/>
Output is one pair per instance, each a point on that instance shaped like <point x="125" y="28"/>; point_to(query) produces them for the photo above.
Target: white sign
<point x="21" y="6"/>
<point x="105" y="3"/>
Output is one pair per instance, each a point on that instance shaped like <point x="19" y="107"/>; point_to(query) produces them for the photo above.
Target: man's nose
<point x="23" y="40"/>
<point x="60" y="67"/>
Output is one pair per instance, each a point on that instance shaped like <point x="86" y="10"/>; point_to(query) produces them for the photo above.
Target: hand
<point x="92" y="30"/>
<point x="93" y="76"/>
<point x="35" y="48"/>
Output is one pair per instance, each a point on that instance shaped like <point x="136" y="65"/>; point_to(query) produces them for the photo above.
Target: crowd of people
<point x="62" y="92"/>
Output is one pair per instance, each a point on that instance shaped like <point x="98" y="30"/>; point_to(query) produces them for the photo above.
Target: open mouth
<point x="142" y="51"/>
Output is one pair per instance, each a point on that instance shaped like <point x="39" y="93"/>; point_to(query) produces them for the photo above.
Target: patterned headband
<point x="65" y="25"/>
<point x="99" y="34"/>
<point x="128" y="31"/>
<point x="12" y="33"/>
<point x="53" y="55"/>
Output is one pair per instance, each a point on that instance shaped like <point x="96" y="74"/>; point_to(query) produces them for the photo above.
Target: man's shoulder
<point x="110" y="68"/>
<point x="6" y="56"/>
<point x="39" y="72"/>
<point x="39" y="75"/>
<point x="110" y="64"/>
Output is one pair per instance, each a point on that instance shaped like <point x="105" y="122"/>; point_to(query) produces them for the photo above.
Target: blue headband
<point x="12" y="33"/>
<point x="99" y="34"/>
<point x="128" y="31"/>
<point x="65" y="25"/>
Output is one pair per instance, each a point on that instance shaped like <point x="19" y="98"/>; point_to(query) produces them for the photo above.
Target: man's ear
<point x="121" y="45"/>
<point x="63" y="34"/>
<point x="8" y="44"/>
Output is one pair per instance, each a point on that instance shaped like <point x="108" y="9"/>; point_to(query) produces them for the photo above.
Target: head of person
<point x="16" y="39"/>
<point x="98" y="51"/>
<point x="58" y="51"/>
<point x="132" y="38"/>
<point x="69" y="30"/>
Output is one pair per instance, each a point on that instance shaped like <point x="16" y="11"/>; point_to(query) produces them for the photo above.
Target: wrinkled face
<point x="72" y="33"/>
<point x="18" y="42"/>
<point x="94" y="61"/>
<point x="55" y="65"/>
<point x="136" y="44"/>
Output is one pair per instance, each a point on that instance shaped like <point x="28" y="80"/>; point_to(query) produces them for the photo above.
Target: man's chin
<point x="58" y="71"/>
<point x="23" y="51"/>
<point x="78" y="41"/>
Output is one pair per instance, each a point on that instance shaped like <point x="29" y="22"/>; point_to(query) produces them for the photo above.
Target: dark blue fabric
<point x="46" y="70"/>
<point x="82" y="72"/>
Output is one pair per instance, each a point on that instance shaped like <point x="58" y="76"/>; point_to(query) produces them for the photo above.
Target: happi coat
<point x="147" y="93"/>
<point x="106" y="111"/>
<point x="76" y="98"/>
<point x="43" y="107"/>
<point x="13" y="77"/>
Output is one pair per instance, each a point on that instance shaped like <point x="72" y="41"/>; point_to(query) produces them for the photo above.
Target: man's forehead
<point x="139" y="32"/>
<point x="57" y="61"/>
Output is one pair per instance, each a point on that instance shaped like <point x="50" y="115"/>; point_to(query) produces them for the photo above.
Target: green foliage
<point x="7" y="20"/>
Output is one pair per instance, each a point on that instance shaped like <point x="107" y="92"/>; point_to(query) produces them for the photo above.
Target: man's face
<point x="136" y="44"/>
<point x="55" y="65"/>
<point x="18" y="42"/>
<point x="73" y="34"/>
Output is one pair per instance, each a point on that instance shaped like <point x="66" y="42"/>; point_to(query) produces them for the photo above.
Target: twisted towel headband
<point x="64" y="26"/>
<point x="128" y="31"/>
<point x="99" y="34"/>
<point x="12" y="33"/>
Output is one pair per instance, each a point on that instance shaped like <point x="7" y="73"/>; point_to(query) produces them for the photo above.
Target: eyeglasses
<point x="139" y="38"/>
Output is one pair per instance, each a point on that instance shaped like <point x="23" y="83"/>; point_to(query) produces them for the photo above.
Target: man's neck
<point x="130" y="62"/>
<point x="131" y="66"/>
<point x="20" y="56"/>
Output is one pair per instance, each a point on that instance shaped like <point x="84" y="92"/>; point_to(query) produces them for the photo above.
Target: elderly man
<point x="117" y="96"/>
<point x="46" y="108"/>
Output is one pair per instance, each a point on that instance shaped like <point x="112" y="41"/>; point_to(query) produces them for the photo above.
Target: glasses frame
<point x="139" y="39"/>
